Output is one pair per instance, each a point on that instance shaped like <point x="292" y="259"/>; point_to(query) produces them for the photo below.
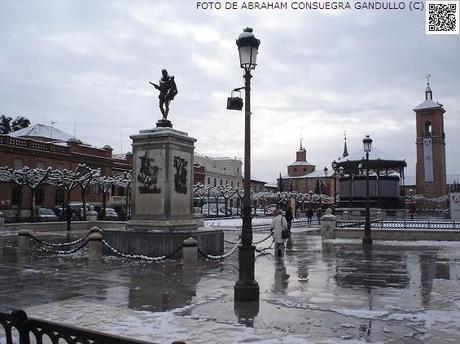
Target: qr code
<point x="442" y="17"/>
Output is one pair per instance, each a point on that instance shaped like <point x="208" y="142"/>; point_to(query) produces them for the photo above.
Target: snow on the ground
<point x="159" y="327"/>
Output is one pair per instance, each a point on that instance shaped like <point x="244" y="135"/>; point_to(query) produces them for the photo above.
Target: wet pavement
<point x="320" y="292"/>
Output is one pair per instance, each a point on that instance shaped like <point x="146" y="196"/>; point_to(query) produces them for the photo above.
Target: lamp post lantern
<point x="367" y="145"/>
<point x="247" y="288"/>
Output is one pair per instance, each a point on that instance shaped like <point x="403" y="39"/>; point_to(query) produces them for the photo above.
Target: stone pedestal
<point x="24" y="244"/>
<point x="190" y="251"/>
<point x="95" y="245"/>
<point x="91" y="215"/>
<point x="162" y="189"/>
<point x="328" y="224"/>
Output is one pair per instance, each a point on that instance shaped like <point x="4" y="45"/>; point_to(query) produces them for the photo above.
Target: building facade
<point x="220" y="171"/>
<point x="36" y="148"/>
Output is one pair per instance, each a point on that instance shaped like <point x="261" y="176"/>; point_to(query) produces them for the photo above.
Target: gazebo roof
<point x="378" y="161"/>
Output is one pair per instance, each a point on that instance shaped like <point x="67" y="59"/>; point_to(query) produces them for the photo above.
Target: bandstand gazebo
<point x="386" y="176"/>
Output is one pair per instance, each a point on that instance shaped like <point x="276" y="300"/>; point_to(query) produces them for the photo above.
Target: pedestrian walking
<point x="289" y="217"/>
<point x="309" y="216"/>
<point x="68" y="215"/>
<point x="278" y="225"/>
<point x="319" y="213"/>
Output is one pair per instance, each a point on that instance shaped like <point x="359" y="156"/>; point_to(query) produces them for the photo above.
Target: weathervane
<point x="428" y="79"/>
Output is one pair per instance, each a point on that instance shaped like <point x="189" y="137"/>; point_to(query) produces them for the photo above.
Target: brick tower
<point x="431" y="147"/>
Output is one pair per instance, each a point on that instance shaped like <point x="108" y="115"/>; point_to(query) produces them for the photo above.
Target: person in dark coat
<point x="319" y="213"/>
<point x="68" y="215"/>
<point x="289" y="219"/>
<point x="309" y="216"/>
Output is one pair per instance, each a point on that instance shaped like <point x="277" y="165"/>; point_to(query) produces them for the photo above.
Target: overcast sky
<point x="86" y="65"/>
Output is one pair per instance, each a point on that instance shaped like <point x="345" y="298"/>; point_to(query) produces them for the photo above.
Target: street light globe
<point x="248" y="46"/>
<point x="367" y="143"/>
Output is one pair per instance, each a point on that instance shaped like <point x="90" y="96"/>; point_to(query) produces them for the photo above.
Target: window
<point x="238" y="184"/>
<point x="428" y="128"/>
<point x="215" y="182"/>
<point x="93" y="189"/>
<point x="16" y="197"/>
<point x="18" y="164"/>
<point x="41" y="165"/>
<point x="209" y="180"/>
<point x="39" y="196"/>
<point x="221" y="182"/>
<point x="59" y="197"/>
<point x="231" y="183"/>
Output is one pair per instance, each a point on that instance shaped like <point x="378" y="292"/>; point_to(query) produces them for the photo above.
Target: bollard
<point x="91" y="215"/>
<point x="328" y="223"/>
<point x="190" y="251"/>
<point x="200" y="219"/>
<point x="2" y="222"/>
<point x="95" y="245"/>
<point x="24" y="244"/>
<point x="95" y="229"/>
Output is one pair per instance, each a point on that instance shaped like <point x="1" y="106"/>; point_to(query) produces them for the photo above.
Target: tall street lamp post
<point x="367" y="240"/>
<point x="341" y="169"/>
<point x="334" y="167"/>
<point x="412" y="205"/>
<point x="247" y="288"/>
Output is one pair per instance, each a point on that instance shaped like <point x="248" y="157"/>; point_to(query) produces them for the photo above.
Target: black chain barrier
<point x="261" y="241"/>
<point x="42" y="246"/>
<point x="228" y="254"/>
<point x="140" y="256"/>
<point x="44" y="243"/>
<point x="262" y="250"/>
<point x="59" y="252"/>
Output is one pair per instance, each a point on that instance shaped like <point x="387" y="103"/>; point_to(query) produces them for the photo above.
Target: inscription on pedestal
<point x="180" y="177"/>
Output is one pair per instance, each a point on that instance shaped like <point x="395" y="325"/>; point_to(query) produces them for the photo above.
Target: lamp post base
<point x="246" y="288"/>
<point x="367" y="241"/>
<point x="246" y="291"/>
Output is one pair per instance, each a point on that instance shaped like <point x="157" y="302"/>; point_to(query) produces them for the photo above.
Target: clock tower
<point x="431" y="147"/>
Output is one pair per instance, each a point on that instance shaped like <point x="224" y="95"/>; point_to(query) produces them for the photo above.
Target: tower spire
<point x="345" y="149"/>
<point x="428" y="92"/>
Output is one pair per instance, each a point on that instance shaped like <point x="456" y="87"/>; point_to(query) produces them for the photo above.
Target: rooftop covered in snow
<point x="43" y="133"/>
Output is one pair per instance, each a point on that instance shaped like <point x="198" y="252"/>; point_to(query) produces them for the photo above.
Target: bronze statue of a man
<point x="168" y="90"/>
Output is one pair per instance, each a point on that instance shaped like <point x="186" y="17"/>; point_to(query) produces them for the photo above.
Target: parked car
<point x="46" y="215"/>
<point x="111" y="214"/>
<point x="260" y="212"/>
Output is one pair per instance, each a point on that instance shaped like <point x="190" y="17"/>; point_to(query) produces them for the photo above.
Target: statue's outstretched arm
<point x="154" y="85"/>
